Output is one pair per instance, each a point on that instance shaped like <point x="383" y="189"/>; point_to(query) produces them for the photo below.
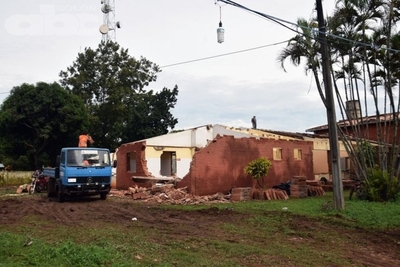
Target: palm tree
<point x="370" y="22"/>
<point x="351" y="20"/>
<point x="355" y="30"/>
<point x="304" y="47"/>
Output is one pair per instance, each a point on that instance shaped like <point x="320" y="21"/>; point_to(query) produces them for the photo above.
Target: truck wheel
<point x="103" y="196"/>
<point x="51" y="188"/>
<point x="60" y="196"/>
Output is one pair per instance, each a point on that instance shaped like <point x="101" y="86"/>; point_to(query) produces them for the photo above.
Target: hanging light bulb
<point x="220" y="30"/>
<point x="220" y="33"/>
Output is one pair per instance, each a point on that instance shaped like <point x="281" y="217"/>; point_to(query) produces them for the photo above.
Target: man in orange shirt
<point x="83" y="139"/>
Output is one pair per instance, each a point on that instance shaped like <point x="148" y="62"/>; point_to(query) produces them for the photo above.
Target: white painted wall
<point x="195" y="137"/>
<point x="182" y="166"/>
<point x="186" y="140"/>
<point x="153" y="165"/>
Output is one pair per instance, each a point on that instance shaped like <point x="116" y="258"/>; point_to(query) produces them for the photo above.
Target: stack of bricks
<point x="327" y="187"/>
<point x="298" y="187"/>
<point x="313" y="182"/>
<point x="315" y="190"/>
<point x="272" y="194"/>
<point x="241" y="194"/>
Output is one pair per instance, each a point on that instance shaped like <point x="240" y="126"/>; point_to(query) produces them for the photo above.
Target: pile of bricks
<point x="347" y="184"/>
<point x="327" y="187"/>
<point x="271" y="194"/>
<point x="315" y="190"/>
<point x="298" y="187"/>
<point x="168" y="194"/>
<point x="313" y="182"/>
<point x="241" y="194"/>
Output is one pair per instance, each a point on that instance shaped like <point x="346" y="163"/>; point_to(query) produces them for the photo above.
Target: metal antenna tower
<point x="109" y="26"/>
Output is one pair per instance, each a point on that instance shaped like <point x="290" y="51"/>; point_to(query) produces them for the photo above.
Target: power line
<point x="274" y="19"/>
<point x="280" y="22"/>
<point x="226" y="54"/>
<point x="211" y="57"/>
<point x="315" y="30"/>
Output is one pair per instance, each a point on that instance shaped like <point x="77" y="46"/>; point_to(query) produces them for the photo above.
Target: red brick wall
<point x="219" y="166"/>
<point x="124" y="176"/>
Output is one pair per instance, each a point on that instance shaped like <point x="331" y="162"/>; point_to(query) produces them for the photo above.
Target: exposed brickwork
<point x="241" y="193"/>
<point x="219" y="166"/>
<point x="124" y="176"/>
<point x="298" y="187"/>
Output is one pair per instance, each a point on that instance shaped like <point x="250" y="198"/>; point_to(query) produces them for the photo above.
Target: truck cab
<point x="80" y="171"/>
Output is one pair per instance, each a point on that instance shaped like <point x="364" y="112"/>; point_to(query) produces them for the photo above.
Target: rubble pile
<point x="168" y="194"/>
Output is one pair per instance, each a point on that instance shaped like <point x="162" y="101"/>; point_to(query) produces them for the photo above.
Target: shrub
<point x="258" y="169"/>
<point x="380" y="186"/>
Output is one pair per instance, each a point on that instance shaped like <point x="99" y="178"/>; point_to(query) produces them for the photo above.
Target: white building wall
<point x="196" y="137"/>
<point x="182" y="167"/>
<point x="153" y="165"/>
<point x="223" y="130"/>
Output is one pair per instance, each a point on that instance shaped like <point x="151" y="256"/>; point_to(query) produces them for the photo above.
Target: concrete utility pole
<point x="330" y="110"/>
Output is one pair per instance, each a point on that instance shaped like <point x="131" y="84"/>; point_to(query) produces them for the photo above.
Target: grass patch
<point x="295" y="232"/>
<point x="15" y="177"/>
<point x="375" y="215"/>
<point x="18" y="251"/>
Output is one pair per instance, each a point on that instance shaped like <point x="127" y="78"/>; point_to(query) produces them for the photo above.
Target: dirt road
<point x="365" y="248"/>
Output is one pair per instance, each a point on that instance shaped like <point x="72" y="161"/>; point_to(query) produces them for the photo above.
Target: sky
<point x="219" y="83"/>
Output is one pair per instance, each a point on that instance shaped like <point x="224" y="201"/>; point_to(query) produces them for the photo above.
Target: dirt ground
<point x="366" y="248"/>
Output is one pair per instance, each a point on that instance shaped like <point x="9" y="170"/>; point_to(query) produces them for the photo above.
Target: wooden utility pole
<point x="330" y="110"/>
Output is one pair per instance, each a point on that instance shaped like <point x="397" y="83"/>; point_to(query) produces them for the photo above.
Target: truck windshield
<point x="88" y="157"/>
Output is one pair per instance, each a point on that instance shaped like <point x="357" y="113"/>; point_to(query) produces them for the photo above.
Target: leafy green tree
<point x="112" y="85"/>
<point x="150" y="115"/>
<point x="37" y="120"/>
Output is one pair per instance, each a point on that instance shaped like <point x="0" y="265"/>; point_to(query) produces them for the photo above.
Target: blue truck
<point x="80" y="171"/>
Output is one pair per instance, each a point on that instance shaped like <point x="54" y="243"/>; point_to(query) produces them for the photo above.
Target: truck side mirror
<point x="58" y="160"/>
<point x="115" y="164"/>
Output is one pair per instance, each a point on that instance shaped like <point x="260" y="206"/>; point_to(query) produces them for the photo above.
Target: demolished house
<point x="211" y="159"/>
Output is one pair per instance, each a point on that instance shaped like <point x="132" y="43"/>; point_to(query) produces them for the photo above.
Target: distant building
<point x="366" y="127"/>
<point x="376" y="129"/>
